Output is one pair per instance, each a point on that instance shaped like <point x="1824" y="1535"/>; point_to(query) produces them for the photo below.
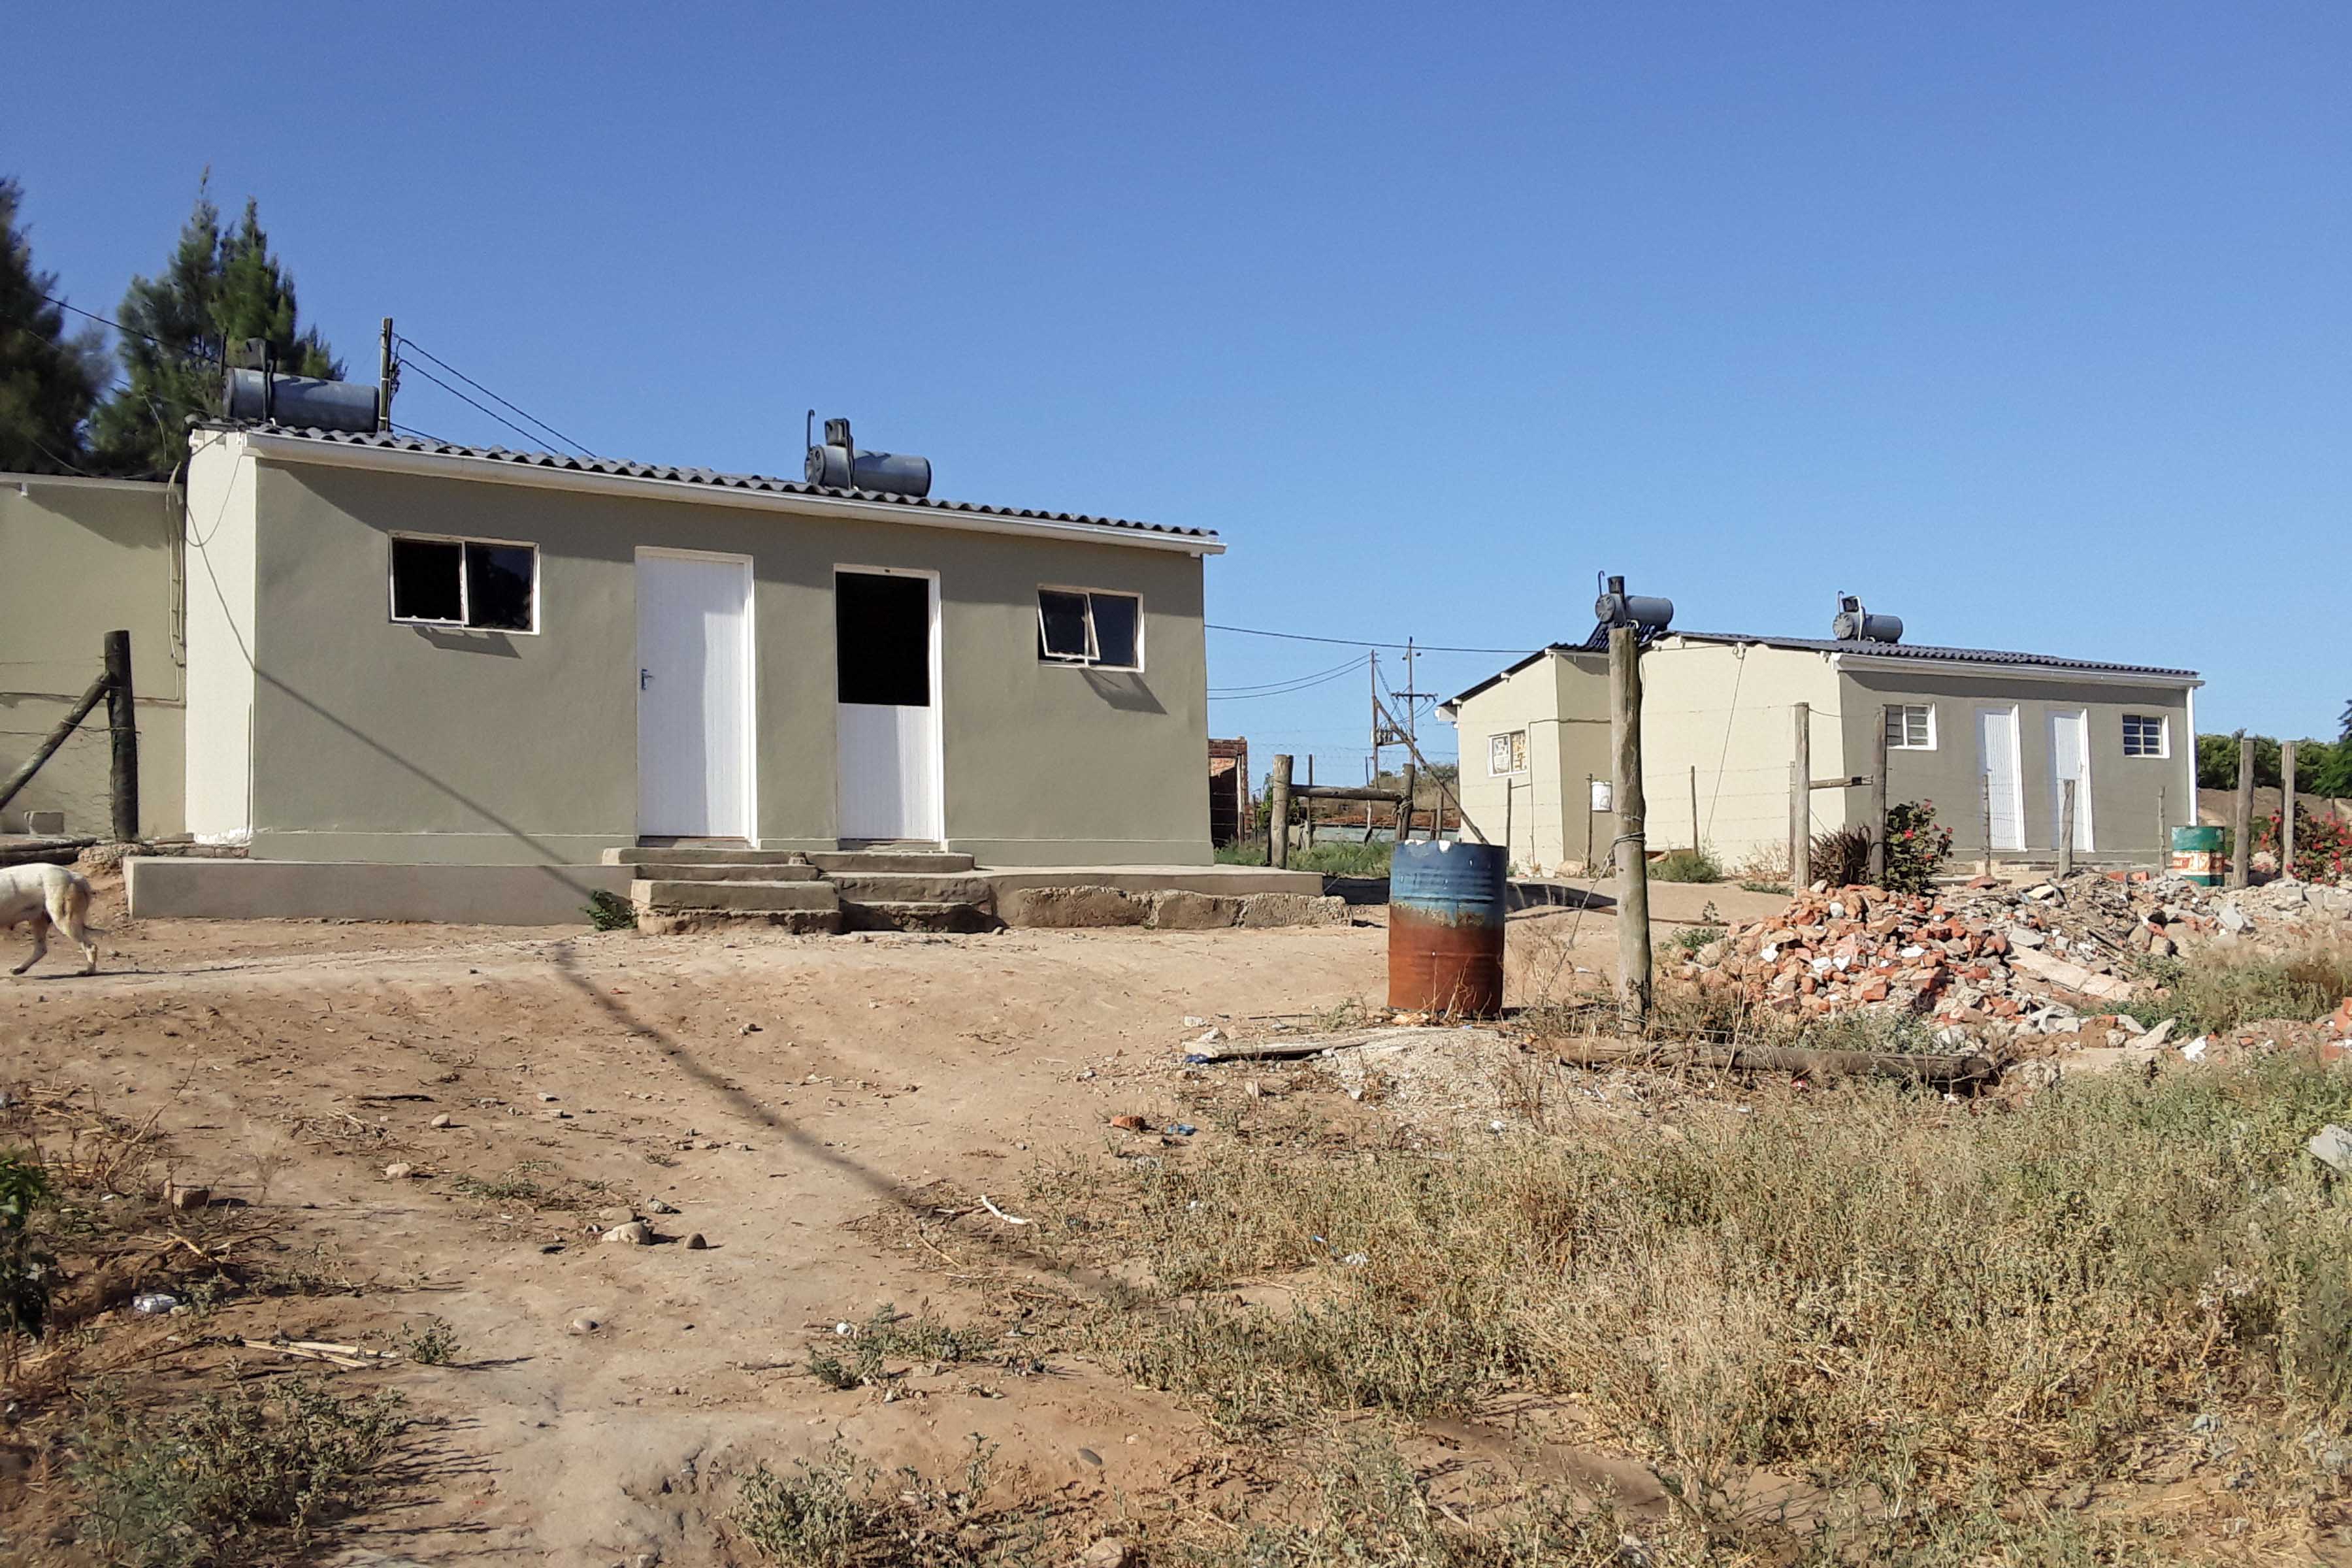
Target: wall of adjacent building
<point x="373" y="740"/>
<point x="2126" y="793"/>
<point x="1725" y="714"/>
<point x="1719" y="728"/>
<point x="80" y="558"/>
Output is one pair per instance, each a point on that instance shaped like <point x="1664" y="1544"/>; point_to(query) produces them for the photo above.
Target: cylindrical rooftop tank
<point x="1861" y="626"/>
<point x="1446" y="902"/>
<point x="888" y="473"/>
<point x="299" y="402"/>
<point x="1645" y="611"/>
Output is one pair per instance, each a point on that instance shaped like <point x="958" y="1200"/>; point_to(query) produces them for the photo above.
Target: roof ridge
<point x="626" y="468"/>
<point x="1931" y="652"/>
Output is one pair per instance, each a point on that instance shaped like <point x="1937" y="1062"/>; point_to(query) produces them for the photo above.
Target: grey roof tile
<point x="619" y="467"/>
<point x="1928" y="653"/>
<point x="1597" y="642"/>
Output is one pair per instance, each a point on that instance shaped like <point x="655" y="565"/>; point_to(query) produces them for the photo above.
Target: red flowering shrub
<point x="2323" y="845"/>
<point x="1917" y="847"/>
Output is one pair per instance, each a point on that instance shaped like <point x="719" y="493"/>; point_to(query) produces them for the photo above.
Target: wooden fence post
<point x="1694" y="780"/>
<point x="1404" y="805"/>
<point x="123" y="718"/>
<point x="1277" y="813"/>
<point x="1984" y="788"/>
<point x="1590" y="868"/>
<point x="1877" y="807"/>
<point x="2066" y="827"/>
<point x="53" y="739"/>
<point x="1801" y="804"/>
<point x="2286" y="808"/>
<point x="2242" y="819"/>
<point x="1633" y="975"/>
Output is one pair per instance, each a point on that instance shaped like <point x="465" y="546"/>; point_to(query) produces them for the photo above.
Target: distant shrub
<point x="1917" y="846"/>
<point x="1842" y="856"/>
<point x="24" y="1268"/>
<point x="2323" y="845"/>
<point x="1690" y="939"/>
<point x="611" y="911"/>
<point x="1687" y="866"/>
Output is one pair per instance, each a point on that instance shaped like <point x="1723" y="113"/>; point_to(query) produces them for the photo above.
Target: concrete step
<point x="915" y="914"/>
<point x="745" y="897"/>
<point x="722" y="871"/>
<point x="695" y="855"/>
<point x="935" y="862"/>
<point x="911" y="887"/>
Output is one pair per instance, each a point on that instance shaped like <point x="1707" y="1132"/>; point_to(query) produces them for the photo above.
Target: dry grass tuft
<point x="2219" y="990"/>
<point x="1954" y="1306"/>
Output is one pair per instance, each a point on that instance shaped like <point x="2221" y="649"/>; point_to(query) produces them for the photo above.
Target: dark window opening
<point x="498" y="586"/>
<point x="882" y="639"/>
<point x="1084" y="627"/>
<point x="1062" y="625"/>
<point x="426" y="580"/>
<point x="1118" y="628"/>
<point x="464" y="583"/>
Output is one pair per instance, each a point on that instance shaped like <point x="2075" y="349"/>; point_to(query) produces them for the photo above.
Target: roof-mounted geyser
<point x="256" y="391"/>
<point x="1646" y="614"/>
<point x="1854" y="624"/>
<point x="838" y="464"/>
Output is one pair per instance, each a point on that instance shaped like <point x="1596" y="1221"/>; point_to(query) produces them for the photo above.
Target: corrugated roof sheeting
<point x="1599" y="643"/>
<point x="761" y="483"/>
<point x="1930" y="654"/>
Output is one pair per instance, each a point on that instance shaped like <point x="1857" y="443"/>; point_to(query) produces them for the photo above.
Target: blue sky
<point x="2030" y="323"/>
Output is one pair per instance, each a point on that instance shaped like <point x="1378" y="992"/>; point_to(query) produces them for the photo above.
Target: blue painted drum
<point x="1445" y="928"/>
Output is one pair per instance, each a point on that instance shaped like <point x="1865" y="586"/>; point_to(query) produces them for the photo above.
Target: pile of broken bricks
<point x="1984" y="961"/>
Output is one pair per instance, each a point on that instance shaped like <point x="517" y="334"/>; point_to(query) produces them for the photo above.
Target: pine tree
<point x="48" y="381"/>
<point x="219" y="290"/>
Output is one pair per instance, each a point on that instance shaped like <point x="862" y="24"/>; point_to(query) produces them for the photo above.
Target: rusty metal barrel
<point x="2198" y="856"/>
<point x="1445" y="928"/>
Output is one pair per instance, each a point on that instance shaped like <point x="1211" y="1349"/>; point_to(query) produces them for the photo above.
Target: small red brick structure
<point x="1233" y="808"/>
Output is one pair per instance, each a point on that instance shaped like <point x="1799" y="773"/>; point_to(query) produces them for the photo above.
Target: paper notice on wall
<point x="1600" y="794"/>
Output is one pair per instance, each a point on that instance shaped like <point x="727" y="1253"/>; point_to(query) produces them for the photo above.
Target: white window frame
<point x="465" y="593"/>
<point x="2163" y="723"/>
<point x="1907" y="709"/>
<point x="1092" y="656"/>
<point x="1506" y="735"/>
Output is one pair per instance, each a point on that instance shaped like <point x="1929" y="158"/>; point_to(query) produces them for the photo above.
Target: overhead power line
<point x="1361" y="642"/>
<point x="1275" y="687"/>
<point x="131" y="331"/>
<point x="483" y="408"/>
<point x="424" y="352"/>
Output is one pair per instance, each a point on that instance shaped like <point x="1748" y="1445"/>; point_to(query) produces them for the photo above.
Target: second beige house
<point x="1965" y="728"/>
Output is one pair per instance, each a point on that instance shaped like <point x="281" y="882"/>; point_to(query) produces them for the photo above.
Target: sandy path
<point x="772" y="1090"/>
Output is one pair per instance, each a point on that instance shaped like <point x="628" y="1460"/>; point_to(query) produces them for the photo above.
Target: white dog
<point x="43" y="895"/>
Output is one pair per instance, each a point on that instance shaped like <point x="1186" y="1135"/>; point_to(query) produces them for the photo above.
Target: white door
<point x="885" y="643"/>
<point x="694" y="695"/>
<point x="1997" y="754"/>
<point x="2070" y="758"/>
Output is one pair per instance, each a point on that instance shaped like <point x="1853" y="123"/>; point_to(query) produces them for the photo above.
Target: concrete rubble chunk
<point x="1994" y="960"/>
<point x="2331" y="1147"/>
<point x="1180" y="910"/>
<point x="1069" y="908"/>
<point x="1261" y="911"/>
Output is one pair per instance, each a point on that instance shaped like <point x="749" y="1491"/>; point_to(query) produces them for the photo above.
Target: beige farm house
<point x="1719" y="739"/>
<point x="369" y="660"/>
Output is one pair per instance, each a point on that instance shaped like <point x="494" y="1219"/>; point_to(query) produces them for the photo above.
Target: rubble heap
<point x="1988" y="959"/>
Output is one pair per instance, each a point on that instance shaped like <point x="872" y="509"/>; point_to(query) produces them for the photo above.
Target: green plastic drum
<point x="2197" y="856"/>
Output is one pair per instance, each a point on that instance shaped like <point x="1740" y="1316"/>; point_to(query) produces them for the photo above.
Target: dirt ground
<point x="778" y="1093"/>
